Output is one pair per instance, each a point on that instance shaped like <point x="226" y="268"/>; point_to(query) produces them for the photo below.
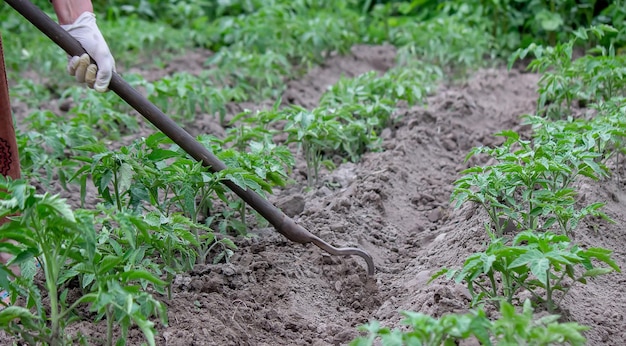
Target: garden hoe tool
<point x="283" y="224"/>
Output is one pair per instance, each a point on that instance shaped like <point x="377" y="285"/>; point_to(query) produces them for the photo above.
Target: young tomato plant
<point x="105" y="114"/>
<point x="64" y="243"/>
<point x="151" y="241"/>
<point x="601" y="136"/>
<point x="260" y="126"/>
<point x="148" y="176"/>
<point x="537" y="262"/>
<point x="565" y="80"/>
<point x="145" y="176"/>
<point x="427" y="330"/>
<point x="531" y="182"/>
<point x="262" y="167"/>
<point x="511" y="328"/>
<point x="316" y="131"/>
<point x="442" y="41"/>
<point x="184" y="95"/>
<point x="46" y="146"/>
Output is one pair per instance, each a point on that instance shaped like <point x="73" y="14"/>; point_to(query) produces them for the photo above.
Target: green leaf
<point x="11" y="313"/>
<point x="526" y="258"/>
<point x="228" y="243"/>
<point x="125" y="176"/>
<point x="142" y="275"/>
<point x="603" y="255"/>
<point x="540" y="269"/>
<point x="161" y="154"/>
<point x="438" y="274"/>
<point x="570" y="332"/>
<point x="597" y="272"/>
<point x="107" y="263"/>
<point x="147" y="327"/>
<point x="508" y="134"/>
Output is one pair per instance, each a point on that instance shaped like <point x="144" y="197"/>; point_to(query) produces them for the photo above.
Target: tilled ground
<point x="394" y="204"/>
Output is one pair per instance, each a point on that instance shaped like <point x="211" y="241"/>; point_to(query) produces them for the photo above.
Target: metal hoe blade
<point x="283" y="224"/>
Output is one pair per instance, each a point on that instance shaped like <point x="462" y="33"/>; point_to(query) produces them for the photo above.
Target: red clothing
<point x="9" y="159"/>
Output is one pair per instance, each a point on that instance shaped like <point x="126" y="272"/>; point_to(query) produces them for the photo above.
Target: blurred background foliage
<point x="512" y="23"/>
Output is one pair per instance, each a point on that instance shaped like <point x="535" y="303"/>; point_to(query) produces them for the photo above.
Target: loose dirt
<point x="394" y="204"/>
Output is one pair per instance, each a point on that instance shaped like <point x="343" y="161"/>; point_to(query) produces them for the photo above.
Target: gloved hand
<point x="86" y="31"/>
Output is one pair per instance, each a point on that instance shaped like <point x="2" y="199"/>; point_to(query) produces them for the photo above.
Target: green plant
<point x="537" y="262"/>
<point x="106" y="114"/>
<point x="183" y="95"/>
<point x="147" y="176"/>
<point x="247" y="127"/>
<point x="515" y="24"/>
<point x="531" y="183"/>
<point x="442" y="41"/>
<point x="44" y="150"/>
<point x="615" y="15"/>
<point x="129" y="35"/>
<point x="514" y="328"/>
<point x="164" y="245"/>
<point x="511" y="328"/>
<point x="64" y="243"/>
<point x="609" y="129"/>
<point x="565" y="80"/>
<point x="364" y="105"/>
<point x="257" y="75"/>
<point x="316" y="131"/>
<point x="426" y="330"/>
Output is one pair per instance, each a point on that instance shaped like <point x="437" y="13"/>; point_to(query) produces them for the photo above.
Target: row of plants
<point x="512" y="328"/>
<point x="515" y="24"/>
<point x="161" y="212"/>
<point x="529" y="194"/>
<point x="348" y="120"/>
<point x="511" y="23"/>
<point x="284" y="36"/>
<point x="255" y="49"/>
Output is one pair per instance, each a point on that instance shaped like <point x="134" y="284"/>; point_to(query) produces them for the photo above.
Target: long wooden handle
<point x="283" y="224"/>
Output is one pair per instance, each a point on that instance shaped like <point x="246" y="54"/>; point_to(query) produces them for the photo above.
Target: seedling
<point x="564" y="81"/>
<point x="531" y="182"/>
<point x="64" y="243"/>
<point x="511" y="328"/>
<point x="537" y="262"/>
<point x="316" y="131"/>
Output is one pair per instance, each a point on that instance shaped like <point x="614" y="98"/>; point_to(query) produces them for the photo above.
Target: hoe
<point x="283" y="224"/>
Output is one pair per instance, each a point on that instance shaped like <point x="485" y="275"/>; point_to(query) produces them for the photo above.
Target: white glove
<point x="86" y="31"/>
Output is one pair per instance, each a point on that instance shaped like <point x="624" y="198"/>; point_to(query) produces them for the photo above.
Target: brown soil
<point x="395" y="205"/>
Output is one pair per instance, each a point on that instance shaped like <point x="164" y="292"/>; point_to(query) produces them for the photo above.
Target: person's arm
<point x="69" y="10"/>
<point x="77" y="17"/>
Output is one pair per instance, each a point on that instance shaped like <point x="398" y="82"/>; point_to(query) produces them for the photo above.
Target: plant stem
<point x="117" y="192"/>
<point x="496" y="221"/>
<point x="493" y="284"/>
<point x="242" y="212"/>
<point x="549" y="292"/>
<point x="485" y="289"/>
<point x="54" y="303"/>
<point x="523" y="284"/>
<point x="51" y="273"/>
<point x="109" y="316"/>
